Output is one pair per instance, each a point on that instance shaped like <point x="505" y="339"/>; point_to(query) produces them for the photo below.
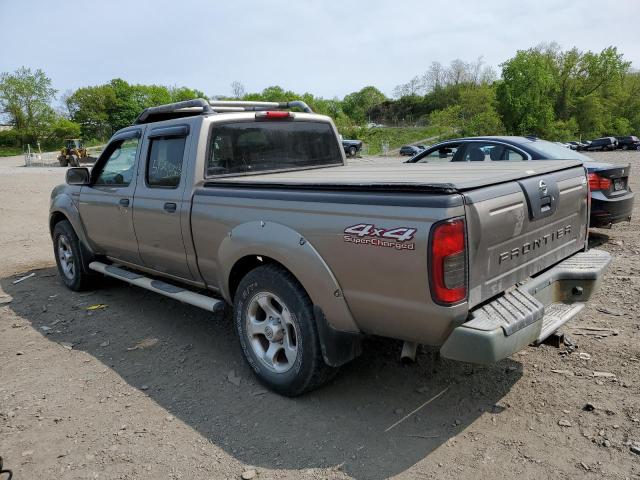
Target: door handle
<point x="170" y="207"/>
<point x="124" y="202"/>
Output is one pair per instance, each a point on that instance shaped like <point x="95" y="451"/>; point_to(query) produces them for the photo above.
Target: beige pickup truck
<point x="252" y="204"/>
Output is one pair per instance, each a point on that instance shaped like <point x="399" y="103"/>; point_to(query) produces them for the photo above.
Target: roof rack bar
<point x="201" y="106"/>
<point x="250" y="106"/>
<point x="173" y="107"/>
<point x="229" y="109"/>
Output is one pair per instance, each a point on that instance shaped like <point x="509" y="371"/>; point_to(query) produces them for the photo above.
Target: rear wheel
<point x="275" y="323"/>
<point x="72" y="264"/>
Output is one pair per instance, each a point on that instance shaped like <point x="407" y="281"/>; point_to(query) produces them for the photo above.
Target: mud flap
<point x="337" y="347"/>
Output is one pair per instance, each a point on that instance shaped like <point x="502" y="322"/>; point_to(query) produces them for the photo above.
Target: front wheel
<point x="353" y="151"/>
<point x="274" y="319"/>
<point x="72" y="267"/>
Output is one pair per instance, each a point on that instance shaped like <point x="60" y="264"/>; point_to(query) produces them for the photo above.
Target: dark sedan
<point x="410" y="150"/>
<point x="611" y="197"/>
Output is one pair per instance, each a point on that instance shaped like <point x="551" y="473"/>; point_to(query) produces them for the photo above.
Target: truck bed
<point x="435" y="177"/>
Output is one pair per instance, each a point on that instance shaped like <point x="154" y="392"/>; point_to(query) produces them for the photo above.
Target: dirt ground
<point x="149" y="388"/>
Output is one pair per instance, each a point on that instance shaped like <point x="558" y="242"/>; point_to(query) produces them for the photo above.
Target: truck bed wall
<point x="377" y="280"/>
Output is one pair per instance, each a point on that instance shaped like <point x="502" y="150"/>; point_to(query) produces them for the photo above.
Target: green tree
<point x="527" y="93"/>
<point x="474" y="115"/>
<point x="25" y="97"/>
<point x="104" y="109"/>
<point x="89" y="106"/>
<point x="61" y="128"/>
<point x="356" y="105"/>
<point x="179" y="94"/>
<point x="590" y="116"/>
<point x="561" y="94"/>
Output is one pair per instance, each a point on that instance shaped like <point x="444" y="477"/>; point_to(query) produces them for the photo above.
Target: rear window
<point x="247" y="147"/>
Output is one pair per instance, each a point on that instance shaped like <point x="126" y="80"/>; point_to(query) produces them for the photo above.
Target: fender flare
<point x="292" y="250"/>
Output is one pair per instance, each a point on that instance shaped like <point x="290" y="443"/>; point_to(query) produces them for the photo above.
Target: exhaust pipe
<point x="408" y="354"/>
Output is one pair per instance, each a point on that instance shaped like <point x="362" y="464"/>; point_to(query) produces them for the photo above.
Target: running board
<point x="158" y="286"/>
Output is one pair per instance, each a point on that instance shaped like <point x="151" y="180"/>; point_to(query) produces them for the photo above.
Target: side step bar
<point x="158" y="286"/>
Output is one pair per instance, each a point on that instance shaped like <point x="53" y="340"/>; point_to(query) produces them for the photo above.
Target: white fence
<point x="33" y="159"/>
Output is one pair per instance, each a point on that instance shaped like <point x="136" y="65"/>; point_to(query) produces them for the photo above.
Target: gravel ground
<point x="149" y="388"/>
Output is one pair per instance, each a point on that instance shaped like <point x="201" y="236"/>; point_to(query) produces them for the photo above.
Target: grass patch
<point x="10" y="151"/>
<point x="374" y="138"/>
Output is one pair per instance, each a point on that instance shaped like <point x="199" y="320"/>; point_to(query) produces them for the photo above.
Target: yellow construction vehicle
<point x="72" y="152"/>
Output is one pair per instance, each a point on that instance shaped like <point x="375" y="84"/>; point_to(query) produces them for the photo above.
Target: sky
<point x="326" y="47"/>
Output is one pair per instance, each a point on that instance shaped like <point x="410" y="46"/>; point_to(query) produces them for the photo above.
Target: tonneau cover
<point x="444" y="177"/>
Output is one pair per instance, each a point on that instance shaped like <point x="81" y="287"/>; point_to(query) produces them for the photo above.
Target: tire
<point x="64" y="162"/>
<point x="74" y="161"/>
<point x="353" y="151"/>
<point x="274" y="320"/>
<point x="71" y="258"/>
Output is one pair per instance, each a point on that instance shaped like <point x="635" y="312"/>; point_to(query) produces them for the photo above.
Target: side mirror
<point x="78" y="176"/>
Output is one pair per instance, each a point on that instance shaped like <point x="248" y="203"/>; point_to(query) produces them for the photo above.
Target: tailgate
<point x="519" y="228"/>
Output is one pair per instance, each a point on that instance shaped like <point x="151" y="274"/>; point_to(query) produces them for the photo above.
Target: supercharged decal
<point x="400" y="238"/>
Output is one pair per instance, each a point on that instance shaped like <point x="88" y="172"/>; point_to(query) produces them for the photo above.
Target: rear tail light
<point x="596" y="182"/>
<point x="274" y="114"/>
<point x="448" y="262"/>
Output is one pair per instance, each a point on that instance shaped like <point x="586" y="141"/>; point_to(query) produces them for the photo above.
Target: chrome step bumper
<point x="529" y="313"/>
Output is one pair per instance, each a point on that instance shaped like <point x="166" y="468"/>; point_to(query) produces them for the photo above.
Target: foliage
<point x="558" y="94"/>
<point x="527" y="93"/>
<point x="543" y="91"/>
<point x="104" y="109"/>
<point x="475" y="114"/>
<point x="395" y="137"/>
<point x="10" y="139"/>
<point x="439" y="76"/>
<point x="25" y="98"/>
<point x="356" y="105"/>
<point x="331" y="107"/>
<point x="546" y="91"/>
<point x="90" y="107"/>
<point x="61" y="128"/>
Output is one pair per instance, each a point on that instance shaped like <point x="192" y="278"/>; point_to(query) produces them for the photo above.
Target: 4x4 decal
<point x="399" y="238"/>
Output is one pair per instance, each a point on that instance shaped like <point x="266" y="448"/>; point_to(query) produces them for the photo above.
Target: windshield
<point x="554" y="151"/>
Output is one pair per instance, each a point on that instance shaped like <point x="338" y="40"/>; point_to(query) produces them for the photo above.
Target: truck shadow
<point x="597" y="238"/>
<point x="189" y="362"/>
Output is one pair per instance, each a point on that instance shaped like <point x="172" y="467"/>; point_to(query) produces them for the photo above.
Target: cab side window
<point x="440" y="155"/>
<point x="120" y="165"/>
<point x="164" y="163"/>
